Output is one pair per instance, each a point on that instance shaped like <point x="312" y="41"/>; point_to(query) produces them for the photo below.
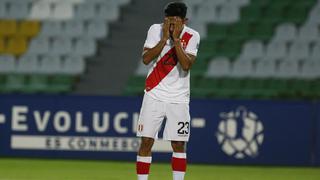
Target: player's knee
<point x="177" y="146"/>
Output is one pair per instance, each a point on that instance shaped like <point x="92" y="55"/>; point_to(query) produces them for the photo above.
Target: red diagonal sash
<point x="165" y="64"/>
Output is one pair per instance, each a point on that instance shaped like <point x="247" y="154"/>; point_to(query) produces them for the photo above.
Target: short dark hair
<point x="176" y="9"/>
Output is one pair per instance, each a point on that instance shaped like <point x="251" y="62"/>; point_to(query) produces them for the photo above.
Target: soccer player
<point x="174" y="48"/>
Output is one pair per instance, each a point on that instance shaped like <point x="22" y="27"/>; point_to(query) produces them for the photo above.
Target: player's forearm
<point x="183" y="58"/>
<point x="150" y="54"/>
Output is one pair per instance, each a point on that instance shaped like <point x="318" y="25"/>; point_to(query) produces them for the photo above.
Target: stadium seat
<point x="239" y="3"/>
<point x="2" y="45"/>
<point x="314" y="16"/>
<point x="97" y="29"/>
<point x="7" y="64"/>
<point x="309" y="33"/>
<point x="41" y="10"/>
<point x="60" y="46"/>
<point x="215" y="3"/>
<point x="206" y="14"/>
<point x="288" y="70"/>
<point x="73" y="65"/>
<point x="135" y="86"/>
<point x="299" y="50"/>
<point x="16" y="45"/>
<point x="36" y="83"/>
<point x="18" y="10"/>
<point x="310" y="70"/>
<point x="250" y="14"/>
<point x="3" y="10"/>
<point x="14" y="83"/>
<point x="253" y="49"/>
<point x="27" y="64"/>
<point x="276" y="50"/>
<point x="315" y="52"/>
<point x="265" y="69"/>
<point x="217" y="32"/>
<point x="63" y="10"/>
<point x="85" y="11"/>
<point x="228" y="14"/>
<point x="50" y="65"/>
<point x="286" y="33"/>
<point x="262" y="30"/>
<point x="8" y="28"/>
<point x="242" y="69"/>
<point x="73" y="28"/>
<point x="274" y="12"/>
<point x="28" y="28"/>
<point x="39" y="45"/>
<point x="84" y="47"/>
<point x="219" y="67"/>
<point x="108" y="12"/>
<point x="51" y="28"/>
<point x="297" y="12"/>
<point x="60" y="84"/>
<point x="239" y="30"/>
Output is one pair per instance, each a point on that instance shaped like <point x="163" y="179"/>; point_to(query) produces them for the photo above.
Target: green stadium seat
<point x="36" y="84"/>
<point x="217" y="32"/>
<point x="230" y="48"/>
<point x="262" y="30"/>
<point x="239" y="30"/>
<point x="60" y="84"/>
<point x="274" y="13"/>
<point x="297" y="13"/>
<point x="2" y="82"/>
<point x="259" y="3"/>
<point x="135" y="85"/>
<point x="278" y="87"/>
<point x="14" y="83"/>
<point x="250" y="14"/>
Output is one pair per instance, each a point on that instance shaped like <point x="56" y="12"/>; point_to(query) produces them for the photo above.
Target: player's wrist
<point x="176" y="41"/>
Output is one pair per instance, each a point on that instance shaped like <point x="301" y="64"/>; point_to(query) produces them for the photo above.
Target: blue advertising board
<point x="99" y="127"/>
<point x="252" y="132"/>
<point x="317" y="134"/>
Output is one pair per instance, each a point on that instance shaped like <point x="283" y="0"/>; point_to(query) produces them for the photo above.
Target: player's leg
<point x="177" y="131"/>
<point x="179" y="160"/>
<point x="150" y="120"/>
<point x="144" y="158"/>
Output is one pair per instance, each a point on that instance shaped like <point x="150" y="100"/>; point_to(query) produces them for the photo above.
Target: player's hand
<point x="178" y="26"/>
<point x="165" y="29"/>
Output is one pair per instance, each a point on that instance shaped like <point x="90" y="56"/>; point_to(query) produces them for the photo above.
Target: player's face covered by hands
<point x="174" y="26"/>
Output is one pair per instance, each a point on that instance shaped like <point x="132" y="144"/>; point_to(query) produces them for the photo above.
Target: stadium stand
<point x="267" y="49"/>
<point x="44" y="44"/>
<point x="249" y="48"/>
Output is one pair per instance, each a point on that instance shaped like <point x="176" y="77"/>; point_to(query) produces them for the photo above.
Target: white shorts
<point x="152" y="114"/>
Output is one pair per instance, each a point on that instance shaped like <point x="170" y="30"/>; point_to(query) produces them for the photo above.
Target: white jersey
<point x="166" y="80"/>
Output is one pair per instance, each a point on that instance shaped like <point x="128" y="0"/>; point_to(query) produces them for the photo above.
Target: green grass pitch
<point x="35" y="169"/>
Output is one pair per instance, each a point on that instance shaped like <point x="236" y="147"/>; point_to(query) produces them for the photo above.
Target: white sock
<point x="142" y="177"/>
<point x="178" y="175"/>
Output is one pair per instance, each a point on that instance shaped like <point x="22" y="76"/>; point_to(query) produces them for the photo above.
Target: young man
<point x="174" y="46"/>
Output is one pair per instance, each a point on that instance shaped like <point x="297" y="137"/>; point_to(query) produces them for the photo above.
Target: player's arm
<point x="186" y="60"/>
<point x="149" y="54"/>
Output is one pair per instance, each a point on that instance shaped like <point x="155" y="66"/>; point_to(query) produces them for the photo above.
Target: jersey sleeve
<point x="193" y="45"/>
<point x="151" y="40"/>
